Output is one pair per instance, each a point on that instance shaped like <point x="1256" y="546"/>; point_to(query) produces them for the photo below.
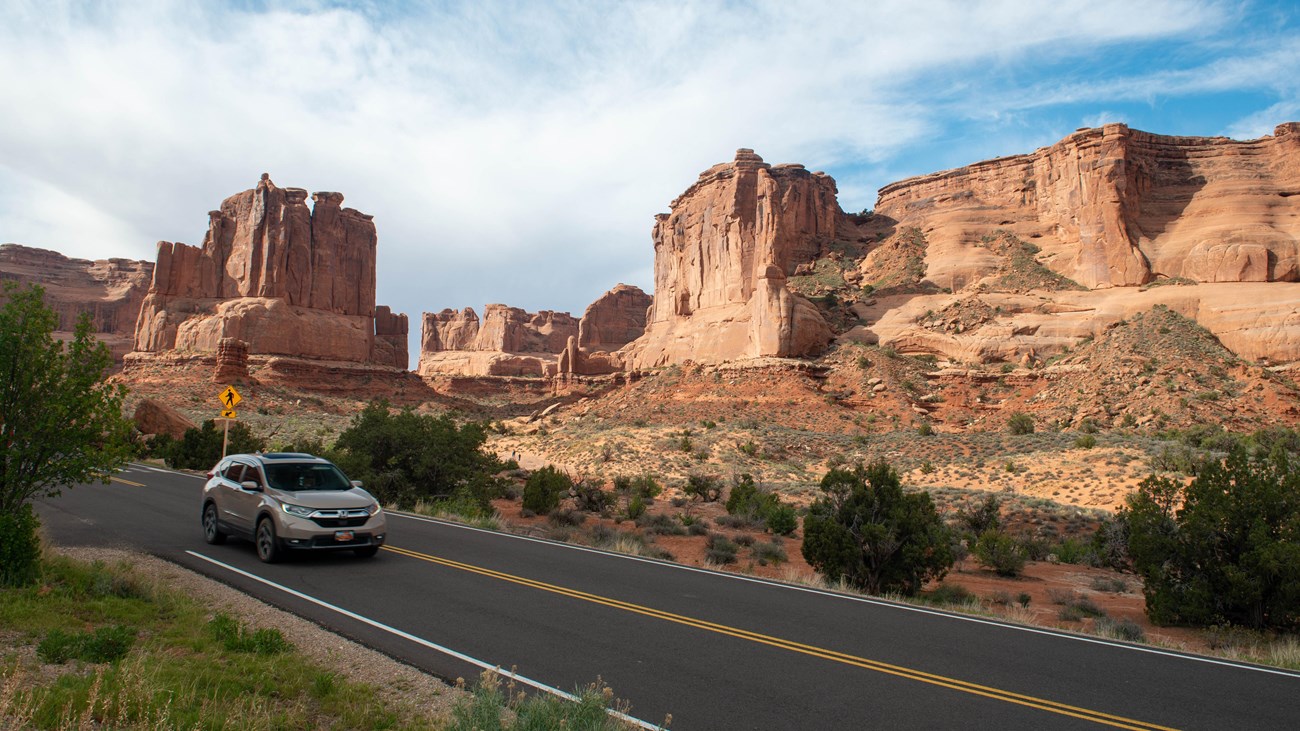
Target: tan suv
<point x="290" y="501"/>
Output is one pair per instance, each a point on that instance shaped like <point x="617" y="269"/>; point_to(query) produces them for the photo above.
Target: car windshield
<point x="295" y="477"/>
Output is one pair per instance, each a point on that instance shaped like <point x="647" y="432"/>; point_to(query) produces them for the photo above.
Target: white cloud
<point x="510" y="151"/>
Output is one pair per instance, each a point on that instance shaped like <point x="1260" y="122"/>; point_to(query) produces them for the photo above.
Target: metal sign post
<point x="228" y="398"/>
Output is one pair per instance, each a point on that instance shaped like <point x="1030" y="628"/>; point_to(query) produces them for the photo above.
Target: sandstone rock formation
<point x="1115" y="206"/>
<point x="507" y="342"/>
<point x="155" y="417"/>
<point x="285" y="279"/>
<point x="1111" y="209"/>
<point x="232" y="362"/>
<point x="721" y="260"/>
<point x="615" y="319"/>
<point x="110" y="290"/>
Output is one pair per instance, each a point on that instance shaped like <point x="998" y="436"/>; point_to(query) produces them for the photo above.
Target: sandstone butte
<point x="110" y="290"/>
<point x="276" y="278"/>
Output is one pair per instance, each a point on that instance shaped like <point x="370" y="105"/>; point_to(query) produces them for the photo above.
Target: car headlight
<point x="373" y="509"/>
<point x="297" y="510"/>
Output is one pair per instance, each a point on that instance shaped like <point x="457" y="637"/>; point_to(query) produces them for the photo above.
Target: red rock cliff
<point x="721" y="259"/>
<point x="286" y="279"/>
<point x="1115" y="206"/>
<point x="110" y="290"/>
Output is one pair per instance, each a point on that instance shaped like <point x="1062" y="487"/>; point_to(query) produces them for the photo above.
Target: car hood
<point x="328" y="499"/>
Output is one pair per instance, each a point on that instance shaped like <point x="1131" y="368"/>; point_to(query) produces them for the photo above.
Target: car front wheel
<point x="268" y="546"/>
<point x="211" y="532"/>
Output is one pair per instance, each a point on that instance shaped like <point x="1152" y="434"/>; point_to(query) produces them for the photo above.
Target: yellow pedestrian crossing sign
<point x="228" y="414"/>
<point x="229" y="400"/>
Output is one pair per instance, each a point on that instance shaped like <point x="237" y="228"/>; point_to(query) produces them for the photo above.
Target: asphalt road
<point x="715" y="650"/>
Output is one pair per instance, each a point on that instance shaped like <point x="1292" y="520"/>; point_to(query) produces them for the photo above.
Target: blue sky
<point x="517" y="151"/>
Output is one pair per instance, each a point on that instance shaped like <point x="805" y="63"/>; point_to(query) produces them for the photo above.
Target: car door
<point x="241" y="503"/>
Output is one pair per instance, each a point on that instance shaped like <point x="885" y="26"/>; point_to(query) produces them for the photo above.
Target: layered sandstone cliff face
<point x="1115" y="210"/>
<point x="1115" y="206"/>
<point x="721" y="261"/>
<point x="508" y="341"/>
<point x="109" y="290"/>
<point x="285" y="278"/>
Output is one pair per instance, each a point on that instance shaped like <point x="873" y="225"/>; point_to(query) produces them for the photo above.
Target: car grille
<point x="339" y="522"/>
<point x="346" y="518"/>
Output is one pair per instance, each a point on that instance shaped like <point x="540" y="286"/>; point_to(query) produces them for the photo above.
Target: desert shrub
<point x="1109" y="545"/>
<point x="1224" y="549"/>
<point x="866" y="531"/>
<point x="748" y="503"/>
<point x="544" y="488"/>
<point x="770" y="553"/>
<point x="981" y="518"/>
<point x="924" y="429"/>
<point x="708" y="488"/>
<point x="1023" y="599"/>
<point x="645" y="485"/>
<point x="1020" y="423"/>
<point x="949" y="594"/>
<point x="1110" y="584"/>
<point x="720" y="550"/>
<point x="635" y="507"/>
<point x="1000" y="552"/>
<point x="782" y="520"/>
<point x="1085" y="441"/>
<point x="661" y="524"/>
<point x="590" y="495"/>
<point x="566" y="518"/>
<point x="1073" y="552"/>
<point x="1121" y="629"/>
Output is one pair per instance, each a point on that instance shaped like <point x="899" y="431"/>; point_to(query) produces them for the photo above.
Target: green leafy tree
<point x="60" y="423"/>
<point x="402" y="457"/>
<point x="983" y="517"/>
<point x="200" y="447"/>
<point x="1224" y="548"/>
<point x="866" y="530"/>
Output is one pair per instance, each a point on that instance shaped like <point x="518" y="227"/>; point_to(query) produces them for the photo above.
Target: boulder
<point x="153" y="417"/>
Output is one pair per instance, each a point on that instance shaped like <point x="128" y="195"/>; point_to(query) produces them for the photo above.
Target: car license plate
<point x="343" y="535"/>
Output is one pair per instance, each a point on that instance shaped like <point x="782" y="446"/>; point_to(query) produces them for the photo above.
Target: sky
<point x="517" y="152"/>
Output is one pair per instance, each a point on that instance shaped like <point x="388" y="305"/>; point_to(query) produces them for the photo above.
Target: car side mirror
<point x="250" y="485"/>
<point x="356" y="483"/>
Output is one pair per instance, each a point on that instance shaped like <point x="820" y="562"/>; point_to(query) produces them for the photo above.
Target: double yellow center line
<point x="811" y="650"/>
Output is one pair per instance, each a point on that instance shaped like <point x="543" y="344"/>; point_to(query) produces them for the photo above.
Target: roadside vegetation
<point x="97" y="646"/>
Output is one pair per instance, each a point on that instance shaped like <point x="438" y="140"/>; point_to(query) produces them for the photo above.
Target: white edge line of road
<point x="864" y="600"/>
<point x="166" y="472"/>
<point x="421" y="641"/>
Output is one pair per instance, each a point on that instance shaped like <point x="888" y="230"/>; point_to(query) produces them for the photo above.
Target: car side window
<point x="234" y="472"/>
<point x="251" y="475"/>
